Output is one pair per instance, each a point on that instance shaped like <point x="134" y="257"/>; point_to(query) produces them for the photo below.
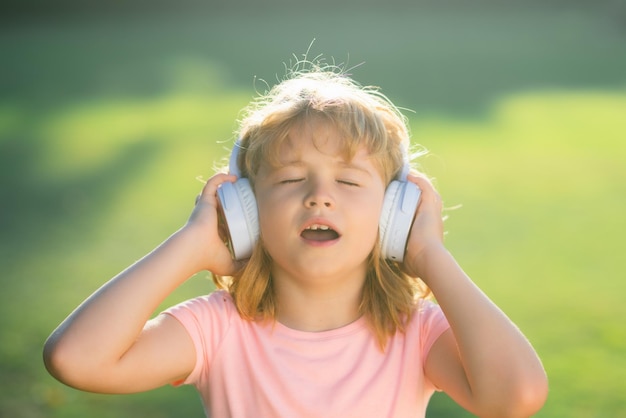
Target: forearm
<point x="499" y="362"/>
<point x="106" y="325"/>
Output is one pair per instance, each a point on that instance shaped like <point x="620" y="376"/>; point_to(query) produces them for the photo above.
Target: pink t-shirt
<point x="251" y="369"/>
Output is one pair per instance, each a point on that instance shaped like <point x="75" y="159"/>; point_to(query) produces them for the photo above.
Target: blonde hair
<point x="364" y="117"/>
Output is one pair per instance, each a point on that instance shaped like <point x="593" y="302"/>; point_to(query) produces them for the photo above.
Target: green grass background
<point x="106" y="122"/>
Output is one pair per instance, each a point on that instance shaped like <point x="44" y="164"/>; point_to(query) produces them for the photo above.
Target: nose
<point x="319" y="196"/>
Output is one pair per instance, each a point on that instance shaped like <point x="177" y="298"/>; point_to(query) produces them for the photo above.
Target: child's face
<point x="318" y="212"/>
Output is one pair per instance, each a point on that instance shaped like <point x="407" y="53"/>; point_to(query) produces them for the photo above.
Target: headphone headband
<point x="233" y="167"/>
<point x="406" y="166"/>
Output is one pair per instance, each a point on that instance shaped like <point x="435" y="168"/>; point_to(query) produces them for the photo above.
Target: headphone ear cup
<point x="389" y="201"/>
<point x="241" y="215"/>
<point x="396" y="218"/>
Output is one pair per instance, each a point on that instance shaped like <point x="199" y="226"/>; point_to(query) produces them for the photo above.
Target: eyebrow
<point x="351" y="166"/>
<point x="294" y="161"/>
<point x="297" y="162"/>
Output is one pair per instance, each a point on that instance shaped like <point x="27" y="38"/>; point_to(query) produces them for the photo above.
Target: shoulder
<point x="207" y="320"/>
<point x="215" y="309"/>
<point x="427" y="323"/>
<point x="426" y="310"/>
<point x="219" y="299"/>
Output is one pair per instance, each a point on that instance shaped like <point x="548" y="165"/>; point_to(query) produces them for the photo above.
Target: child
<point x="319" y="311"/>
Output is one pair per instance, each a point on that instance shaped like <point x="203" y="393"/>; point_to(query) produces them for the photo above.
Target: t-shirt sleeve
<point x="206" y="319"/>
<point x="433" y="323"/>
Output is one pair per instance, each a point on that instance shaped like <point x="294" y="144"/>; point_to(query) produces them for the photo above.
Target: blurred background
<point x="109" y="112"/>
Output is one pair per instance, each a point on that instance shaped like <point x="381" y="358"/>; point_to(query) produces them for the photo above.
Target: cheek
<point x="368" y="206"/>
<point x="366" y="217"/>
<point x="272" y="215"/>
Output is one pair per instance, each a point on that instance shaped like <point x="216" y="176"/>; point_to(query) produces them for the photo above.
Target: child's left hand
<point x="501" y="379"/>
<point x="427" y="229"/>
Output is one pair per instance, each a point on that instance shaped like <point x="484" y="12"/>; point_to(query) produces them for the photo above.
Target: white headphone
<point x="242" y="217"/>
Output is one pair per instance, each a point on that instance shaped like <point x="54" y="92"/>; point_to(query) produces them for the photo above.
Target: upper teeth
<point x="316" y="227"/>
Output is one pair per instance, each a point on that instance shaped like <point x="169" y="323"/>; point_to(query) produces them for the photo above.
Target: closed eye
<point x="348" y="183"/>
<point x="289" y="181"/>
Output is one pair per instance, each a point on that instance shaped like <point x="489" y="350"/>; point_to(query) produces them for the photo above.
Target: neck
<point x="316" y="308"/>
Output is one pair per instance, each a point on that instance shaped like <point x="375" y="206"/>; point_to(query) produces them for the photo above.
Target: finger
<point x="209" y="190"/>
<point x="429" y="193"/>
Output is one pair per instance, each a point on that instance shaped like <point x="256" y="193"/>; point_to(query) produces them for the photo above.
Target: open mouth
<point x="319" y="233"/>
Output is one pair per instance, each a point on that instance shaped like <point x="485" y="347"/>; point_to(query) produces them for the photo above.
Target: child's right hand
<point x="205" y="225"/>
<point x="109" y="344"/>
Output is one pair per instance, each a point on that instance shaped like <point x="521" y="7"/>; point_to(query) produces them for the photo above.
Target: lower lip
<point x="320" y="244"/>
